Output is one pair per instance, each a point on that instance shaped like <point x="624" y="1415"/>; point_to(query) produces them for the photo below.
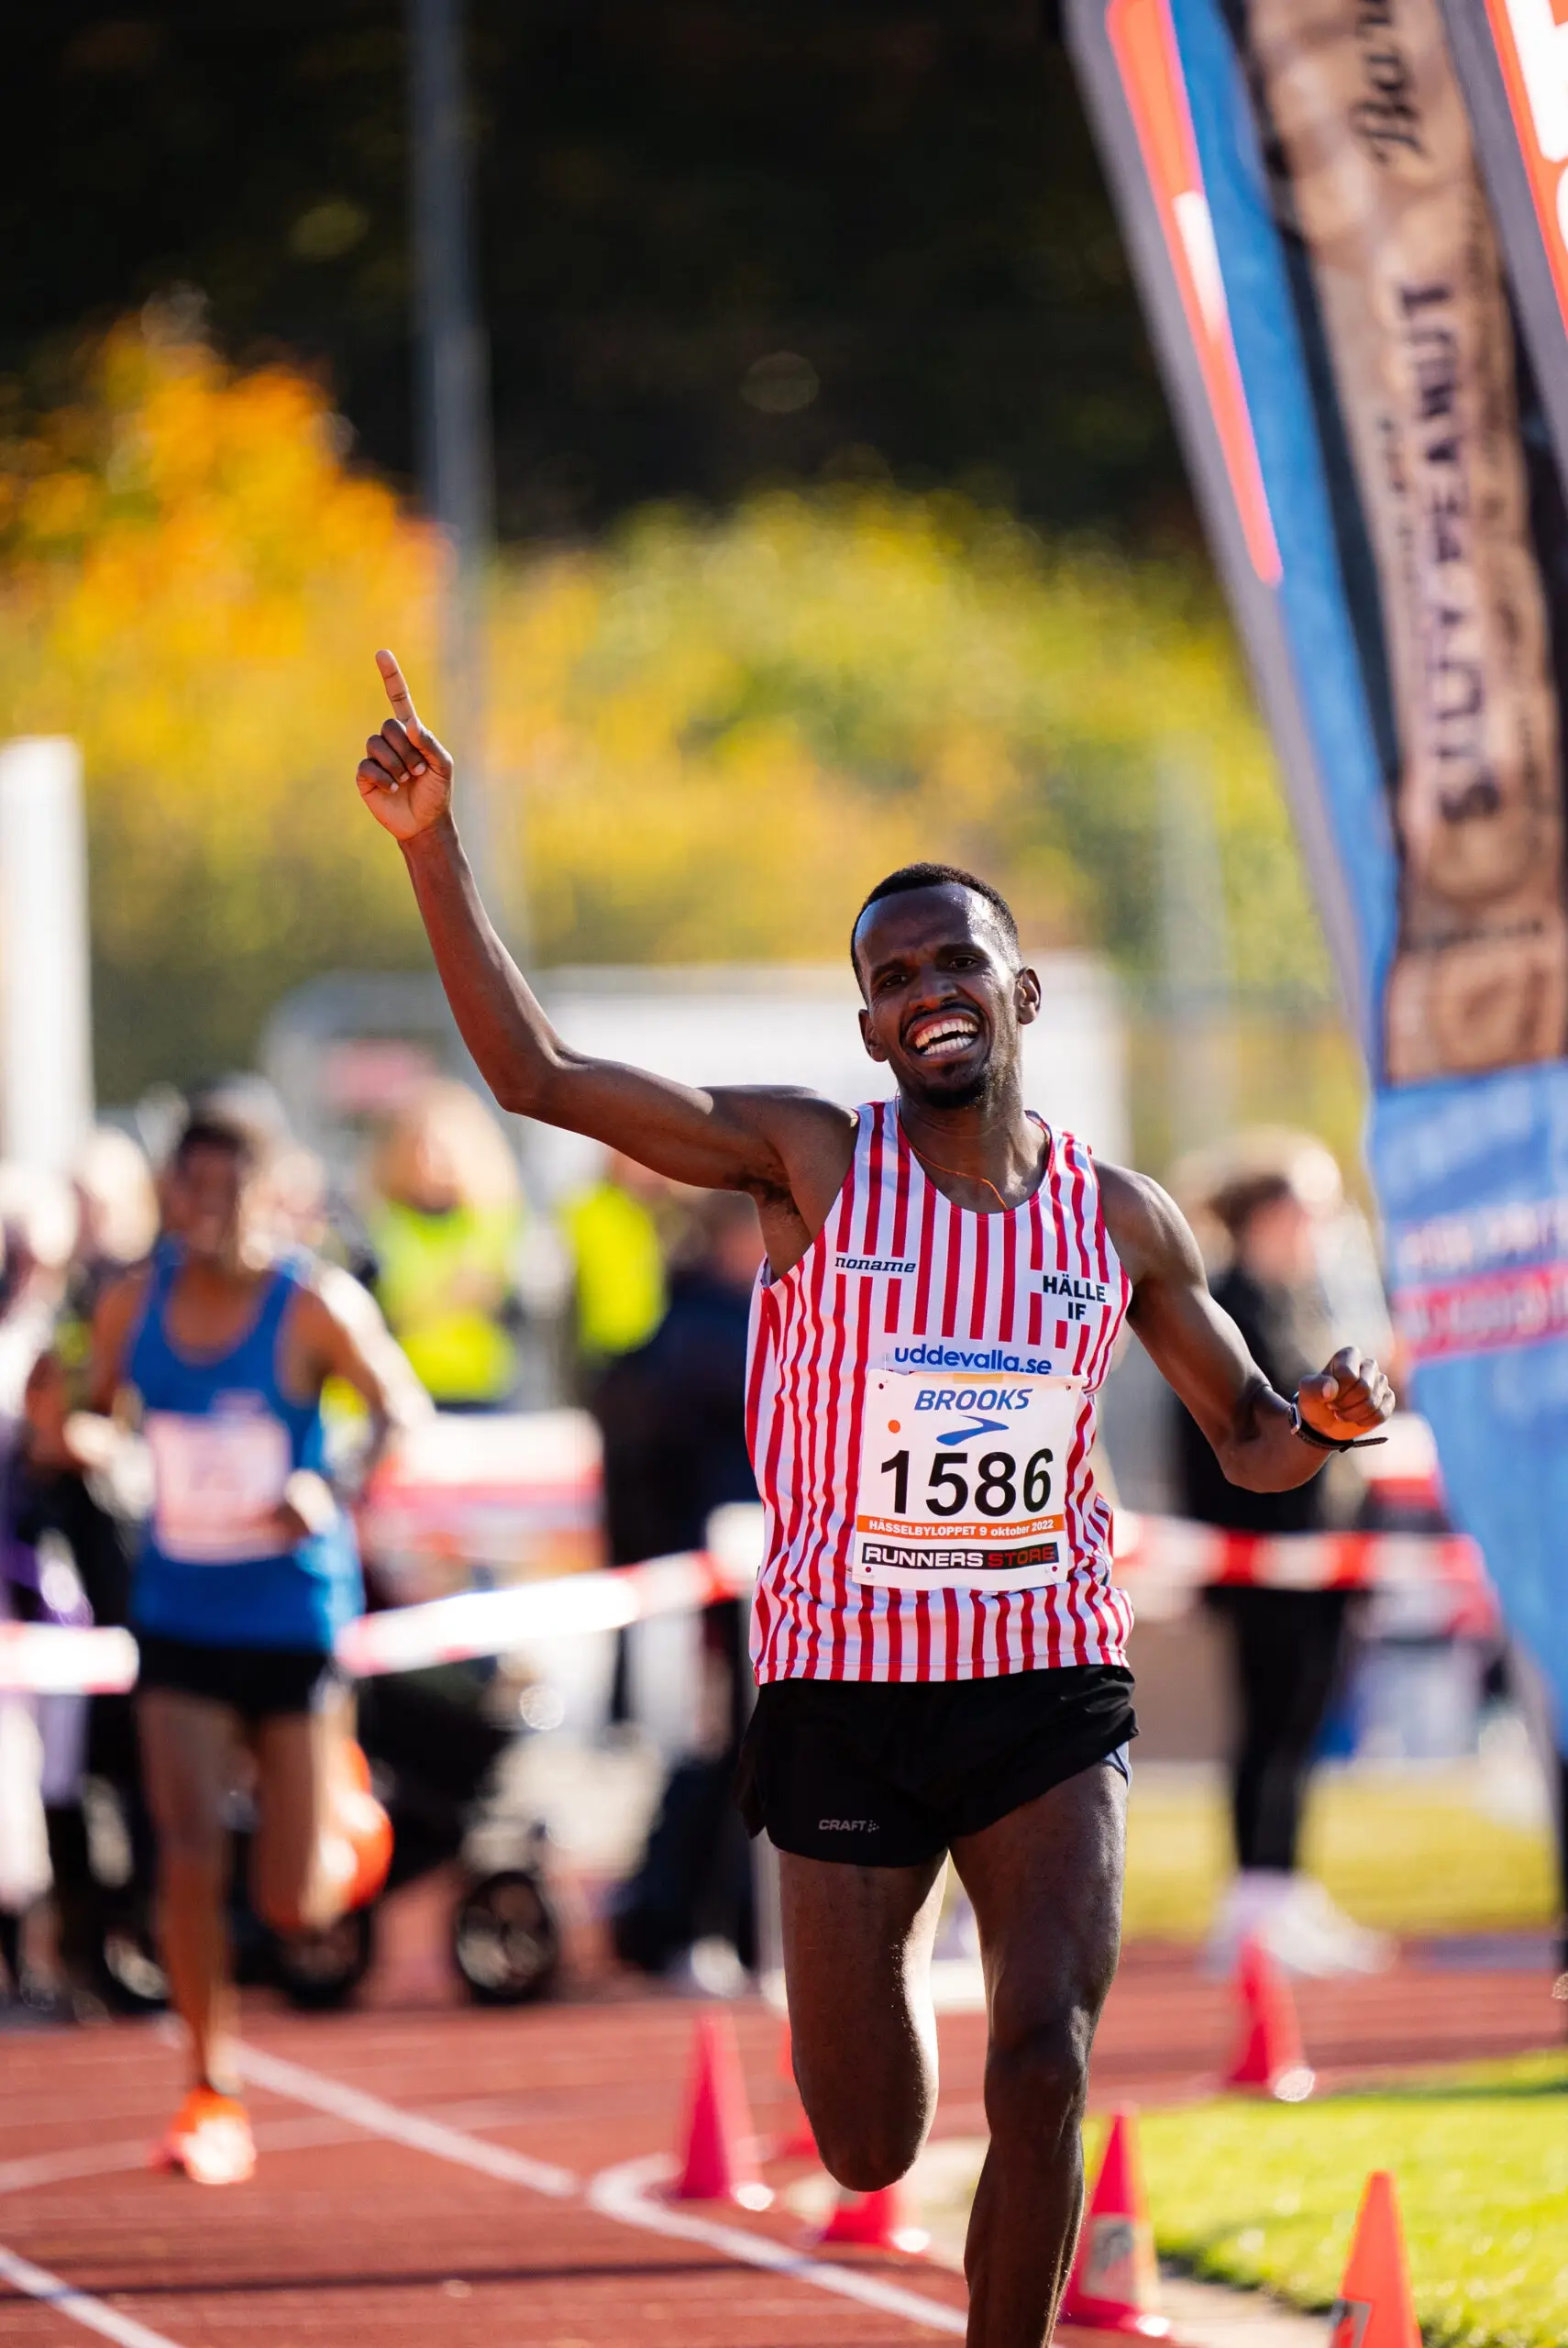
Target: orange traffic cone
<point x="874" y="2221"/>
<point x="1269" y="2053"/>
<point x="795" y="2141"/>
<point x="1373" y="2307"/>
<point x="719" y="2161"/>
<point x="1114" y="2284"/>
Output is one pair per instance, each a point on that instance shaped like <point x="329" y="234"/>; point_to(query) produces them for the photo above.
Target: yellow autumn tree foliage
<point x="707" y="737"/>
<point x="192" y="579"/>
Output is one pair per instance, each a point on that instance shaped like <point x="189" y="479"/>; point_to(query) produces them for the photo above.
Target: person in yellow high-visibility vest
<point x="618" y="1261"/>
<point x="446" y="1230"/>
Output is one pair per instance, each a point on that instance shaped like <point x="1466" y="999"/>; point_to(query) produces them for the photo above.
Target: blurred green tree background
<point x="715" y="731"/>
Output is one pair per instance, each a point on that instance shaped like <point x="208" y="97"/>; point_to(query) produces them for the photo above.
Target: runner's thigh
<point x="1045" y="1881"/>
<point x="856" y="1960"/>
<point x="189" y="1745"/>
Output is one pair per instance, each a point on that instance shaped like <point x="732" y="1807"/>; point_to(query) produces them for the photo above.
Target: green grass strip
<point x="1264" y="2195"/>
<point x="1409" y="1851"/>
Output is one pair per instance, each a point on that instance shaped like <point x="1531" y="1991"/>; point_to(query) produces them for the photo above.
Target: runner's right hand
<point x="405" y="776"/>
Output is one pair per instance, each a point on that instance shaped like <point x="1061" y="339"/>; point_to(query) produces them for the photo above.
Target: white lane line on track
<point x="105" y="2160"/>
<point x="619" y="2193"/>
<point x="379" y="2119"/>
<point x="81" y="2307"/>
<point x="55" y="2168"/>
<point x="622" y="2193"/>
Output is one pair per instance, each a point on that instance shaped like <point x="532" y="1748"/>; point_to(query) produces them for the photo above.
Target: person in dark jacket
<point x="693" y="1884"/>
<point x="1287" y="1646"/>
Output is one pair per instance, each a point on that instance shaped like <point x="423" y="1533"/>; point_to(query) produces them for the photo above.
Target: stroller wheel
<point x="507" y="1943"/>
<point x="320" y="1970"/>
<point x="131" y="1976"/>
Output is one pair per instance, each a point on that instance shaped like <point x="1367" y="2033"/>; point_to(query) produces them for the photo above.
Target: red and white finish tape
<point x="493" y="1621"/>
<point x="47" y="1660"/>
<point x="1161" y="1560"/>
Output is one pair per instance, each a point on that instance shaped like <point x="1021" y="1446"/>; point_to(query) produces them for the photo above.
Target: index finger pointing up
<point x="397" y="692"/>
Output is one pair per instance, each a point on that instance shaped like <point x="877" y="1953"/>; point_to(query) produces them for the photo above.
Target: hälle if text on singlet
<point x="921" y="1398"/>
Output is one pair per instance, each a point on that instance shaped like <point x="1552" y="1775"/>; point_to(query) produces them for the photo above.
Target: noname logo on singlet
<point x="1073" y="1296"/>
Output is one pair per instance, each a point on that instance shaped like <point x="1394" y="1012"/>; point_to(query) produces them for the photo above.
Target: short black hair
<point x="1237" y="1201"/>
<point x="936" y="876"/>
<point x="206" y="1130"/>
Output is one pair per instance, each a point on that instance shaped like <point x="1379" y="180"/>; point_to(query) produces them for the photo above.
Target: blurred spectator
<point x="682" y="1446"/>
<point x="447" y="1232"/>
<point x="116" y="1205"/>
<point x="300" y="1199"/>
<point x="1287" y="1646"/>
<point x="66" y="1557"/>
<point x="617" y="1254"/>
<point x="38" y="1222"/>
<point x="670" y="1409"/>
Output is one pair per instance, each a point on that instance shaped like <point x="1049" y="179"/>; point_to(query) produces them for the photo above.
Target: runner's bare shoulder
<point x="1147" y="1229"/>
<point x="116" y="1317"/>
<point x="814" y="1138"/>
<point x="120" y="1306"/>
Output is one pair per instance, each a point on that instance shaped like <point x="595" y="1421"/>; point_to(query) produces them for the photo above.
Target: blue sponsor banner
<point x="1317" y="218"/>
<point x="1473" y="1181"/>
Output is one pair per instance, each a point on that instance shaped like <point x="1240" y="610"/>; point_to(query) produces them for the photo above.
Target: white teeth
<point x="946" y="1036"/>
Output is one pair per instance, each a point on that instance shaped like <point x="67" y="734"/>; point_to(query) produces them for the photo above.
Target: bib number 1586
<point x="1001" y="1486"/>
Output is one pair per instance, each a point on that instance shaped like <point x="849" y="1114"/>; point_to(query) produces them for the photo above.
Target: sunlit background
<point x="800" y="500"/>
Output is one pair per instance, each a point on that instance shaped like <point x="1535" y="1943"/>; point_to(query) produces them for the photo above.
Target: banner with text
<point x="1350" y="223"/>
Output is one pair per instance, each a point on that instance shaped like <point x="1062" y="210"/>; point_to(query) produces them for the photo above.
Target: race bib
<point x="217" y="1482"/>
<point x="963" y="1477"/>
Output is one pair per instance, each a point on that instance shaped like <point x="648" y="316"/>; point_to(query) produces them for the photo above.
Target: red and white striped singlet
<point x="912" y="1323"/>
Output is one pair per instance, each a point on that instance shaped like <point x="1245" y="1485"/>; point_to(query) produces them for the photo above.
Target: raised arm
<point x="778" y="1144"/>
<point x="1200" y="1351"/>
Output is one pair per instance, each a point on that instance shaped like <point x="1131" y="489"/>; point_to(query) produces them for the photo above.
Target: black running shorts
<point x="889" y="1774"/>
<point x="258" y="1683"/>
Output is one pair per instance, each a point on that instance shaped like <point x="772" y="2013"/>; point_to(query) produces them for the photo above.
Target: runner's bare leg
<point x="188" y="1747"/>
<point x="300" y="1762"/>
<point x="1046" y="1885"/>
<point x="862" y="2031"/>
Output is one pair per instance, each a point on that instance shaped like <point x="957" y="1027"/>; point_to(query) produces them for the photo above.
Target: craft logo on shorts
<point x="888" y="1268"/>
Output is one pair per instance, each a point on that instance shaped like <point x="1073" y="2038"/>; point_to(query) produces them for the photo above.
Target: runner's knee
<point x="869" y="2142"/>
<point x="864" y="2153"/>
<point x="1036" y="2079"/>
<point x="192" y="1839"/>
<point x="282" y="1892"/>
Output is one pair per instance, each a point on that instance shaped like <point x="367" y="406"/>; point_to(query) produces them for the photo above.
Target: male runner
<point x="247" y="1572"/>
<point x="939" y="1645"/>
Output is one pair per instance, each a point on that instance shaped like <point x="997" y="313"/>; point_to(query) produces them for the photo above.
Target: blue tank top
<point x="225" y="1436"/>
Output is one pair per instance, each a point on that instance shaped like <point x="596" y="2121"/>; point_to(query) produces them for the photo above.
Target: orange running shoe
<point x="210" y="2138"/>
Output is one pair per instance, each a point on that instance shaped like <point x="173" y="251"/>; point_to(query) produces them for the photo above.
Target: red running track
<point x="485" y="2227"/>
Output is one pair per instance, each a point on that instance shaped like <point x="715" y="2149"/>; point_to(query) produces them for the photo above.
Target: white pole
<point x="46" y="1032"/>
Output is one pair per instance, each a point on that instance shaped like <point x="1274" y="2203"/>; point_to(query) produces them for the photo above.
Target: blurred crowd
<point x="630" y="1296"/>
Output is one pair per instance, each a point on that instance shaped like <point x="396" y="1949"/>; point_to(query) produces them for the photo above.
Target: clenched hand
<point x="1351" y="1398"/>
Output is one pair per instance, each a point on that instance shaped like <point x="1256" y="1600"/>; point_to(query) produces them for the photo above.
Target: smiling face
<point x="946" y="994"/>
<point x="209" y="1197"/>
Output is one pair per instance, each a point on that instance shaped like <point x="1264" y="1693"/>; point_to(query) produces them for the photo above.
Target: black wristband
<point x="1310" y="1434"/>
